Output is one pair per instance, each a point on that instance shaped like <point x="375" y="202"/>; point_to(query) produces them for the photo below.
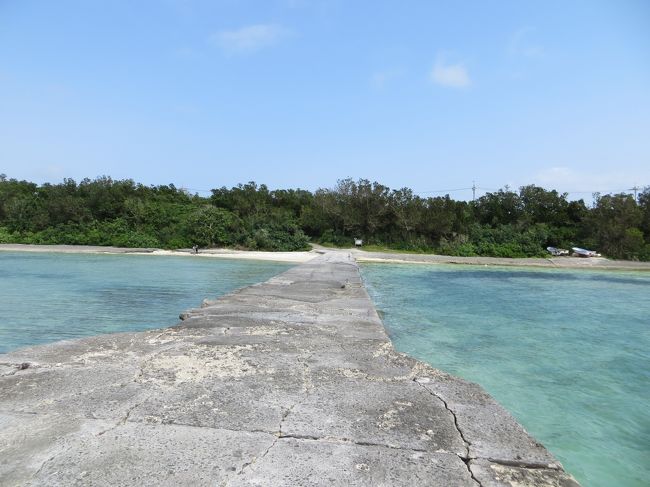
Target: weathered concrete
<point x="289" y="382"/>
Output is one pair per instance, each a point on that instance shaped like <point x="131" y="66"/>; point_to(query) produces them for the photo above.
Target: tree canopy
<point x="503" y="223"/>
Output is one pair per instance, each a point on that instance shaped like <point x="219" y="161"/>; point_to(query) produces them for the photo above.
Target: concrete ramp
<point x="292" y="382"/>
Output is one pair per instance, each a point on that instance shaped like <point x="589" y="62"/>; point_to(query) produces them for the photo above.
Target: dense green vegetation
<point x="503" y="224"/>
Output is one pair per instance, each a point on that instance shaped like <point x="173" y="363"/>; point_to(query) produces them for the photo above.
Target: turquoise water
<point x="46" y="297"/>
<point x="567" y="352"/>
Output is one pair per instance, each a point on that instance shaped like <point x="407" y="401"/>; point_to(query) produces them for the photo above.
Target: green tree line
<point x="503" y="223"/>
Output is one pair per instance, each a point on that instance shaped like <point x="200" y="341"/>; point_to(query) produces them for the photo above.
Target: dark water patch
<point x="559" y="275"/>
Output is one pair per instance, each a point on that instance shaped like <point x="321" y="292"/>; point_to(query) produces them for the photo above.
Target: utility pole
<point x="634" y="188"/>
<point x="473" y="190"/>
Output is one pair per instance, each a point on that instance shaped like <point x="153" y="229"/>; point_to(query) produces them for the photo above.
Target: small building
<point x="358" y="242"/>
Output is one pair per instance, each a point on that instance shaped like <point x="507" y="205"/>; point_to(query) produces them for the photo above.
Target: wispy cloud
<point x="520" y="44"/>
<point x="248" y="39"/>
<point x="451" y="75"/>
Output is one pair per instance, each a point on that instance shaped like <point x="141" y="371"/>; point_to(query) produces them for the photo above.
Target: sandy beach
<point x="359" y="255"/>
<point x="297" y="257"/>
<point x="550" y="262"/>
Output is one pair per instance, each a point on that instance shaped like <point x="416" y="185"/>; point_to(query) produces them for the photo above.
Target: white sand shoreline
<point x="290" y="257"/>
<point x="594" y="263"/>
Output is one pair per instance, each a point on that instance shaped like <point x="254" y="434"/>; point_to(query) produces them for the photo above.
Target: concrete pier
<point x="292" y="382"/>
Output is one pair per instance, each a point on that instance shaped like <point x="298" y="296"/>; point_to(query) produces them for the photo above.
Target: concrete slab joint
<point x="293" y="381"/>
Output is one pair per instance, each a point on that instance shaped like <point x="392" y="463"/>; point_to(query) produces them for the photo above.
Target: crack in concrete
<point x="35" y="474"/>
<point x="524" y="464"/>
<point x="124" y="419"/>
<point x="460" y="432"/>
<point x="466" y="459"/>
<point x="254" y="460"/>
<point x="19" y="413"/>
<point x="279" y="435"/>
<point x="349" y="441"/>
<point x="307" y="386"/>
<point x="138" y="380"/>
<point x="273" y="443"/>
<point x="158" y="424"/>
<point x="284" y="417"/>
<point x="149" y="358"/>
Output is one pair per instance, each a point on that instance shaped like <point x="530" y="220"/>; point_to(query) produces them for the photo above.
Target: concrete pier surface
<point x="291" y="382"/>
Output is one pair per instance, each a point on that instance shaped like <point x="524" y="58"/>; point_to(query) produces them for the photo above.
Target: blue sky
<point x="299" y="93"/>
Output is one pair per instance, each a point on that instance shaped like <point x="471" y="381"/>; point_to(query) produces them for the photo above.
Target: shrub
<point x="6" y="236"/>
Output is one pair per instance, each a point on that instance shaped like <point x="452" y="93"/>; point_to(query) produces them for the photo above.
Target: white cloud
<point x="450" y="75"/>
<point x="248" y="39"/>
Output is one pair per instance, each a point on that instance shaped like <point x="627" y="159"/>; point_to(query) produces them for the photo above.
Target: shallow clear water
<point x="567" y="352"/>
<point x="46" y="297"/>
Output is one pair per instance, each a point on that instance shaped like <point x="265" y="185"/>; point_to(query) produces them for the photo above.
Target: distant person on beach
<point x="195" y="248"/>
